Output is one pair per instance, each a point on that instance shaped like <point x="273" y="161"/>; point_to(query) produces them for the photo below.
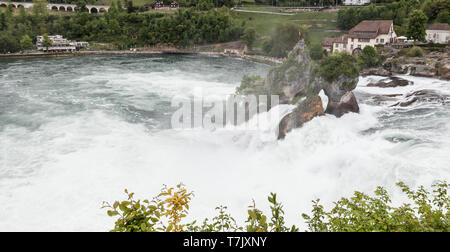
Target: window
<point x="359" y="46"/>
<point x="382" y="40"/>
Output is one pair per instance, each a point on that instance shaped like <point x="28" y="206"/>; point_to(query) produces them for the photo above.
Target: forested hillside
<point x="122" y="29"/>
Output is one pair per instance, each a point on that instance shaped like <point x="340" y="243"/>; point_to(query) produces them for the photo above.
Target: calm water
<point x="77" y="131"/>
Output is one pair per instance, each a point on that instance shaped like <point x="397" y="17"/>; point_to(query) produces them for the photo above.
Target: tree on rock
<point x="417" y="25"/>
<point x="369" y="58"/>
<point x="338" y="64"/>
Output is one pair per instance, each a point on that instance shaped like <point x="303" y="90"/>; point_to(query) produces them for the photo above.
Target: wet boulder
<point x="305" y="111"/>
<point x="425" y="95"/>
<point x="346" y="104"/>
<point x="393" y="82"/>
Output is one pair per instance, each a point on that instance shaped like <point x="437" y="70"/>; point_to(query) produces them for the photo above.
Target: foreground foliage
<point x="427" y="211"/>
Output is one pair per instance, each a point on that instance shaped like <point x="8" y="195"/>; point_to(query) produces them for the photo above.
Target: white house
<point x="356" y="2"/>
<point x="438" y="33"/>
<point x="366" y="33"/>
<point x="60" y="44"/>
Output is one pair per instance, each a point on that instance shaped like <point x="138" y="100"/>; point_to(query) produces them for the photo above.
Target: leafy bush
<point x="338" y="64"/>
<point x="415" y="51"/>
<point x="427" y="212"/>
<point x="249" y="37"/>
<point x="362" y="213"/>
<point x="146" y="216"/>
<point x="316" y="52"/>
<point x="369" y="58"/>
<point x="251" y="85"/>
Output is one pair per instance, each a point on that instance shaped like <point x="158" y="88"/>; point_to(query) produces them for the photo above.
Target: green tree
<point x="316" y="52"/>
<point x="249" y="37"/>
<point x="40" y="8"/>
<point x="46" y="41"/>
<point x="417" y="23"/>
<point x="81" y="5"/>
<point x="26" y="43"/>
<point x="369" y="57"/>
<point x="8" y="43"/>
<point x="443" y="16"/>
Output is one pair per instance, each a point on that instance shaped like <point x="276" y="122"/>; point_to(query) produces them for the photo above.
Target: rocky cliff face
<point x="292" y="78"/>
<point x="297" y="82"/>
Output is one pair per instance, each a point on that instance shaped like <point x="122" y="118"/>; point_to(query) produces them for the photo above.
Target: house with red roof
<point x="366" y="33"/>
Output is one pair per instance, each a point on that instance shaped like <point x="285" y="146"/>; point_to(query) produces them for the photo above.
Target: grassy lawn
<point x="141" y="2"/>
<point x="319" y="24"/>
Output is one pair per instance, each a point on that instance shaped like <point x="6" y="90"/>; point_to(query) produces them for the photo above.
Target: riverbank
<point x="427" y="62"/>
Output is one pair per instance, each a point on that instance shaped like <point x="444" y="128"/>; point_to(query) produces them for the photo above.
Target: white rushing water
<point x="76" y="132"/>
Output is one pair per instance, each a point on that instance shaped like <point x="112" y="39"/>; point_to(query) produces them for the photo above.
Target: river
<point x="77" y="131"/>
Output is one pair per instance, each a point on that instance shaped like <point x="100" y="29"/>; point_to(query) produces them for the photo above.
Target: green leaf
<point x="112" y="213"/>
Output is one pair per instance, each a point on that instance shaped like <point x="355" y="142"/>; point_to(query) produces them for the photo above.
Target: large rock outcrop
<point x="298" y="81"/>
<point x="341" y="99"/>
<point x="292" y="78"/>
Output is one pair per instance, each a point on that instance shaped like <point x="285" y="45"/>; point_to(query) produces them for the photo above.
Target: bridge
<point x="58" y="7"/>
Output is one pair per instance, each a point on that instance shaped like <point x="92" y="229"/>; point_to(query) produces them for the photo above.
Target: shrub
<point x="316" y="52"/>
<point x="250" y="85"/>
<point x="249" y="37"/>
<point x="415" y="51"/>
<point x="362" y="213"/>
<point x="338" y="64"/>
<point x="146" y="216"/>
<point x="369" y="58"/>
<point x="427" y="212"/>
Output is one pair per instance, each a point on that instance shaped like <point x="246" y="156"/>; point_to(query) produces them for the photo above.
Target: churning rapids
<point x="75" y="132"/>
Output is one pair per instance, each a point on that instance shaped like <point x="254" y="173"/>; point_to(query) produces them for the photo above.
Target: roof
<point x="371" y="28"/>
<point x="343" y="39"/>
<point x="327" y="41"/>
<point x="439" y="27"/>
